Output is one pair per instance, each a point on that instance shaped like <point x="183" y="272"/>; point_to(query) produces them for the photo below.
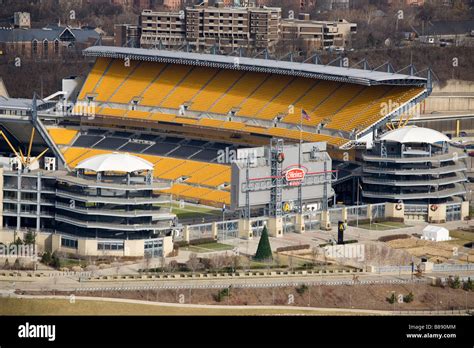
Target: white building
<point x="435" y="233"/>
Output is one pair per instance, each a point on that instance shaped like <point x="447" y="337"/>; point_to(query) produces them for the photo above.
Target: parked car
<point x="471" y="153"/>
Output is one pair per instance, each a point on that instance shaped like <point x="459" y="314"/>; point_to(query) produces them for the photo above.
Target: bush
<point x="55" y="261"/>
<point x="202" y="241"/>
<point x="16" y="264"/>
<point x="6" y="264"/>
<point x="29" y="238"/>
<point x="468" y="285"/>
<point x="46" y="258"/>
<point x="301" y="289"/>
<point x="222" y="294"/>
<point x="454" y="283"/>
<point x="293" y="247"/>
<point x="393" y="237"/>
<point x="408" y="298"/>
<point x="391" y="299"/>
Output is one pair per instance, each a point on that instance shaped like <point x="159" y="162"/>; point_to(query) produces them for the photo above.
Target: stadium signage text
<point x="295" y="176"/>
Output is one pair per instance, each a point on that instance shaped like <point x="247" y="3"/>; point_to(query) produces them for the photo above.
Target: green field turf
<point x="204" y="248"/>
<point x="382" y="226"/>
<point x="191" y="211"/>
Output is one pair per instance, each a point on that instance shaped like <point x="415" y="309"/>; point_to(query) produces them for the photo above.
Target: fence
<point x="200" y="231"/>
<point x="227" y="229"/>
<point x="444" y="267"/>
<point x="356" y="213"/>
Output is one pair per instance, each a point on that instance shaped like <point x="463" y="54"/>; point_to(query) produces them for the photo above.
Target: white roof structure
<point x="115" y="162"/>
<point x="414" y="134"/>
<point x="435" y="233"/>
<point x="319" y="71"/>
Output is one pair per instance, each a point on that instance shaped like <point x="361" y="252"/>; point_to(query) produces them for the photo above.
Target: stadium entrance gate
<point x="453" y="212"/>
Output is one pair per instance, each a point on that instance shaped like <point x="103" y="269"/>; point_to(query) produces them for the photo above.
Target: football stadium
<point x="265" y="142"/>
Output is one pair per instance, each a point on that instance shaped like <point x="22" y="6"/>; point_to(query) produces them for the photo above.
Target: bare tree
<point x="194" y="263"/>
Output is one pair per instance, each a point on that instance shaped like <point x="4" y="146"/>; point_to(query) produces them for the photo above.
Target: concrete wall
<point x="86" y="247"/>
<point x="456" y="95"/>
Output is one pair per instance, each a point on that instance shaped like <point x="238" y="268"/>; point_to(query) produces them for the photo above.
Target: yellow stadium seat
<point x="238" y="93"/>
<point x="94" y="77"/>
<point x="62" y="136"/>
<point x="188" y="88"/>
<point x="164" y="84"/>
<point x="263" y="95"/>
<point x="137" y="82"/>
<point x="113" y="78"/>
<point x="215" y="89"/>
<point x="288" y="97"/>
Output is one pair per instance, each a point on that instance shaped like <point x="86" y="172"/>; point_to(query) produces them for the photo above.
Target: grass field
<point x="461" y="237"/>
<point x="13" y="306"/>
<point x="204" y="248"/>
<point x="467" y="236"/>
<point x="382" y="226"/>
<point x="191" y="211"/>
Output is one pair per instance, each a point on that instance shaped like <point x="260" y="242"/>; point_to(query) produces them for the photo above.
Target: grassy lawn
<point x="72" y="262"/>
<point x="204" y="248"/>
<point x="191" y="211"/>
<point x="461" y="237"/>
<point x="467" y="236"/>
<point x="13" y="306"/>
<point x="382" y="226"/>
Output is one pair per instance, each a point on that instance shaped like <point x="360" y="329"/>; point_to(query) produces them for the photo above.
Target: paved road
<point x="73" y="284"/>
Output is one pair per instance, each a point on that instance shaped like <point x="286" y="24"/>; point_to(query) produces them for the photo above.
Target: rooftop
<point x="115" y="162"/>
<point x="414" y="134"/>
<point x="317" y="71"/>
<point x="49" y="33"/>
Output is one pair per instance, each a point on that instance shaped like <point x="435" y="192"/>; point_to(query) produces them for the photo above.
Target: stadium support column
<point x="325" y="220"/>
<point x="245" y="229"/>
<point x="186" y="233"/>
<point x="299" y="223"/>
<point x="245" y="226"/>
<point x="275" y="219"/>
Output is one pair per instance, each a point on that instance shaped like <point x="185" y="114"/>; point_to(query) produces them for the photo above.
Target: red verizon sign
<point x="294" y="176"/>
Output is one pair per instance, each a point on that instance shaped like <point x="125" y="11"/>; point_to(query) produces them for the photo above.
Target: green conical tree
<point x="264" y="251"/>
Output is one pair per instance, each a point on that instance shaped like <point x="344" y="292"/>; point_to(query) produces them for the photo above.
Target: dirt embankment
<point x="426" y="297"/>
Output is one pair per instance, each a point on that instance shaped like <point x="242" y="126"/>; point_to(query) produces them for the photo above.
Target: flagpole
<point x="300" y="194"/>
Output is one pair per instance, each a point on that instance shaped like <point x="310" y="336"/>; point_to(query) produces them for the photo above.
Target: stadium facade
<point x="180" y="110"/>
<point x="416" y="165"/>
<point x="108" y="199"/>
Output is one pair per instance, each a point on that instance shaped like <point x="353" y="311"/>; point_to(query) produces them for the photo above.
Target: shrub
<point x="46" y="258"/>
<point x="202" y="241"/>
<point x="29" y="238"/>
<point x="55" y="261"/>
<point x="408" y="298"/>
<point x="301" y="289"/>
<point x="293" y="247"/>
<point x="468" y="285"/>
<point x="391" y="299"/>
<point x="222" y="294"/>
<point x="16" y="264"/>
<point x="454" y="283"/>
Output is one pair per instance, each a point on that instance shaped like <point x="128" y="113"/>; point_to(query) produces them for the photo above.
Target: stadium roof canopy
<point x="21" y="103"/>
<point x="115" y="162"/>
<point x="318" y="71"/>
<point x="414" y="134"/>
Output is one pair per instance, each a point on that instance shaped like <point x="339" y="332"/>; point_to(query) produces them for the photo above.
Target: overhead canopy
<point x="115" y="162"/>
<point x="318" y="71"/>
<point x="414" y="134"/>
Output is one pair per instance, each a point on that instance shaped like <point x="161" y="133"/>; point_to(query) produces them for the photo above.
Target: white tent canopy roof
<point x="115" y="162"/>
<point x="414" y="134"/>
